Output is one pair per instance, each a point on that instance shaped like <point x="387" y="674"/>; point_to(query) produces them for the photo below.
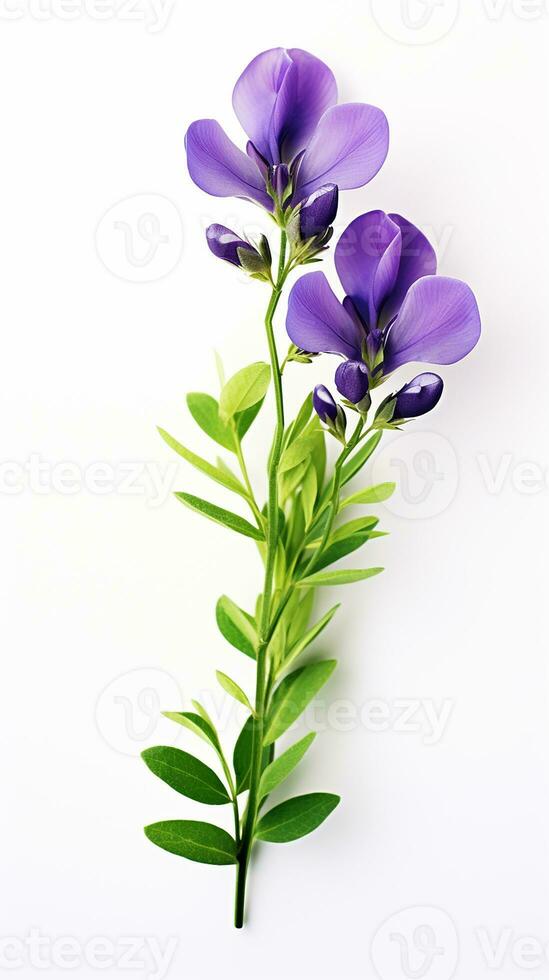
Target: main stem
<point x="272" y="542"/>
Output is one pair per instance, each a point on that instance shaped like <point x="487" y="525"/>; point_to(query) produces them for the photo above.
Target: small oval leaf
<point x="247" y="387"/>
<point x="372" y="495"/>
<point x="293" y="695"/>
<point x="186" y="774"/>
<point x="194" y="840"/>
<point x="232" y="688"/>
<point x="235" y="626"/>
<point x="280" y="768"/>
<point x="205" y="411"/>
<point x="296" y="817"/>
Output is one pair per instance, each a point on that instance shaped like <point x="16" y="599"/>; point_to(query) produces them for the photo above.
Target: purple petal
<point x="347" y="148"/>
<point x="352" y="381"/>
<point x="367" y="260"/>
<point x="279" y="99"/>
<point x="417" y="259"/>
<point x="218" y="167"/>
<point x="419" y="396"/>
<point x="308" y="90"/>
<point x="439" y="323"/>
<point x="316" y="319"/>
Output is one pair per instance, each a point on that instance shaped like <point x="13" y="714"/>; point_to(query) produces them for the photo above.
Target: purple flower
<point x="352" y="381"/>
<point x="225" y="244"/>
<point x="418" y="397"/>
<point x="285" y="101"/>
<point x="396" y="310"/>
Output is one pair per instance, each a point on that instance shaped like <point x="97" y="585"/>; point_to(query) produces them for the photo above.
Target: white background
<point x="109" y="585"/>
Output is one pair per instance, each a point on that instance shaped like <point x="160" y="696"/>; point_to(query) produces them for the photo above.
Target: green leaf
<point x="242" y="756"/>
<point x="358" y="526"/>
<point x="247" y="387"/>
<point x="339" y="549"/>
<point x="296" y="817"/>
<point x="220" y="515"/>
<point x="298" y="613"/>
<point x="308" y="494"/>
<point x="338" y="578"/>
<point x="205" y="411"/>
<point x="278" y="770"/>
<point x="298" y="452"/>
<point x="197" y="724"/>
<point x="293" y="695"/>
<point x="232" y="688"/>
<point x="185" y="774"/>
<point x="373" y="495"/>
<point x="194" y="840"/>
<point x="224" y="477"/>
<point x="235" y="626"/>
<point x="304" y="641"/>
<point x="301" y="419"/>
<point x="290" y="480"/>
<point x="244" y="420"/>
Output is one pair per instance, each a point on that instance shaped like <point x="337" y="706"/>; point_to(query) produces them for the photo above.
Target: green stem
<point x="272" y="544"/>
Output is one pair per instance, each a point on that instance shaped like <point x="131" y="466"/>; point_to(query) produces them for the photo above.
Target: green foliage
<point x="296" y="817"/>
<point x="304" y="641"/>
<point x="280" y="768"/>
<point x="205" y="411"/>
<point x="338" y="578"/>
<point x="222" y="476"/>
<point x="236" y="626"/>
<point x="194" y="840"/>
<point x="197" y="724"/>
<point x="246" y="388"/>
<point x="186" y="774"/>
<point x="232" y="688"/>
<point x="372" y="495"/>
<point x="242" y="756"/>
<point x="220" y="515"/>
<point x="293" y="694"/>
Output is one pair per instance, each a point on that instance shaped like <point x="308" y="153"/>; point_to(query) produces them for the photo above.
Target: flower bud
<point x="352" y="381"/>
<point x="280" y="180"/>
<point x="419" y="396"/>
<point x="318" y="212"/>
<point x="329" y="411"/>
<point x="225" y="244"/>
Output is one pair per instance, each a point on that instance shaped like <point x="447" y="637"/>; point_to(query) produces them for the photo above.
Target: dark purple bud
<point x="419" y="396"/>
<point x="324" y="405"/>
<point x="258" y="159"/>
<point x="224" y="243"/>
<point x="280" y="179"/>
<point x="352" y="381"/>
<point x="318" y="212"/>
